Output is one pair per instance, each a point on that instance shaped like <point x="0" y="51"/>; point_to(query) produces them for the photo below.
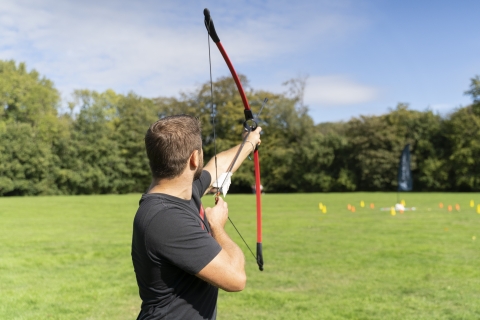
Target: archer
<point x="181" y="252"/>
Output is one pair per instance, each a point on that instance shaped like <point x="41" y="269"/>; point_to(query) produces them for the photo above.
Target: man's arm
<point x="225" y="158"/>
<point x="227" y="269"/>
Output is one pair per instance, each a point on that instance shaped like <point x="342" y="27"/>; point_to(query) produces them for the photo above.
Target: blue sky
<point x="361" y="57"/>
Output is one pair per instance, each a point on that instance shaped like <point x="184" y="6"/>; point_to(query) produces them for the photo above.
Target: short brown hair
<point x="170" y="142"/>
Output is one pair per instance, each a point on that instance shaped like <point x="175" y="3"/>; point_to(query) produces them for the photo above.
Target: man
<point x="180" y="251"/>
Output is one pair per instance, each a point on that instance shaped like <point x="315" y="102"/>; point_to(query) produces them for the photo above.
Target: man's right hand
<point x="218" y="215"/>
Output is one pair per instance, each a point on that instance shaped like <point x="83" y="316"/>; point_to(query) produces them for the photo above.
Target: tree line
<point x="97" y="146"/>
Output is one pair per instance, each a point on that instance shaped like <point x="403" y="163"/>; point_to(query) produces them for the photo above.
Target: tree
<point x="474" y="89"/>
<point x="462" y="131"/>
<point x="29" y="127"/>
<point x="377" y="143"/>
<point x="27" y="97"/>
<point x="135" y="115"/>
<point x="91" y="162"/>
<point x="26" y="162"/>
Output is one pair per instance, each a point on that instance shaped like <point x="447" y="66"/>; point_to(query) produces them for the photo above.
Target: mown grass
<point x="69" y="258"/>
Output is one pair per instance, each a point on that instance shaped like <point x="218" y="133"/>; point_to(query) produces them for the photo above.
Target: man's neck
<point x="180" y="187"/>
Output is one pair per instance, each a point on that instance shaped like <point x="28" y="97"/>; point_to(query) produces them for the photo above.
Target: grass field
<point x="69" y="258"/>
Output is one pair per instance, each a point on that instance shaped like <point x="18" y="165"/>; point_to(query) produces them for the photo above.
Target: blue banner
<point x="405" y="181"/>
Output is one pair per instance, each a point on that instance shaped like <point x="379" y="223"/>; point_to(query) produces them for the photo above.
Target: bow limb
<point x="248" y="118"/>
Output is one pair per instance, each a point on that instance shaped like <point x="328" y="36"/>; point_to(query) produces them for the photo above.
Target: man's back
<point x="171" y="243"/>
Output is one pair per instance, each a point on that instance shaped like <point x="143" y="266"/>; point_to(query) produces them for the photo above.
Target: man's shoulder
<point x="157" y="207"/>
<point x="160" y="201"/>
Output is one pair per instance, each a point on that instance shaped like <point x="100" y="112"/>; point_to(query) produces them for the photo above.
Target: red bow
<point x="249" y="121"/>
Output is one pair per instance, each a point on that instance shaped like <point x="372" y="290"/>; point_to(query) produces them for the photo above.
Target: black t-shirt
<point x="171" y="243"/>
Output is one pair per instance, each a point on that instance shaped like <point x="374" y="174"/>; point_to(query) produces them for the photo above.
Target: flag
<point x="405" y="182"/>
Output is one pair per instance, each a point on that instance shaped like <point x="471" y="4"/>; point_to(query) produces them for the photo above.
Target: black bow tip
<point x="206" y="13"/>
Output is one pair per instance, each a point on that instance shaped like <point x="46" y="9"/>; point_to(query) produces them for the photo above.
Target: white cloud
<point x="156" y="48"/>
<point x="337" y="90"/>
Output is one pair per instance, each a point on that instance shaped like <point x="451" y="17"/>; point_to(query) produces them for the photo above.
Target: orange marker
<point x="449" y="208"/>
<point x="349" y="207"/>
<point x="353" y="209"/>
<point x="457" y="207"/>
<point x="372" y="206"/>
<point x="441" y="205"/>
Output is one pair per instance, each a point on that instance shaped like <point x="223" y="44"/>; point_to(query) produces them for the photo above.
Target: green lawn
<point x="69" y="258"/>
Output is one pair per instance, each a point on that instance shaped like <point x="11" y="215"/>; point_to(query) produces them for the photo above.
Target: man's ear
<point x="194" y="160"/>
